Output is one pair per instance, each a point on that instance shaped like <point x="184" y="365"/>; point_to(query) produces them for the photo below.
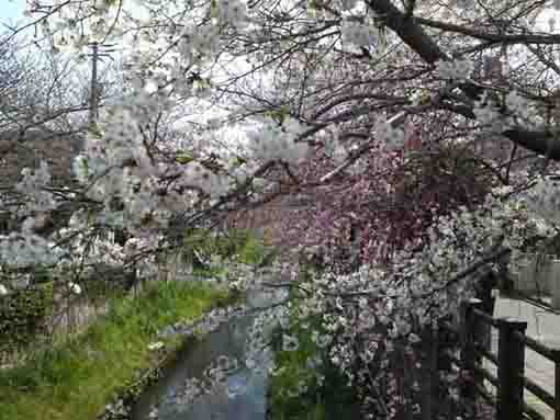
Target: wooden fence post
<point x="554" y="283"/>
<point x="429" y="392"/>
<point x="557" y="385"/>
<point x="470" y="335"/>
<point x="511" y="366"/>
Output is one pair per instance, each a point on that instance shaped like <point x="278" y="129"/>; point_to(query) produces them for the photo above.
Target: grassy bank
<point x="75" y="378"/>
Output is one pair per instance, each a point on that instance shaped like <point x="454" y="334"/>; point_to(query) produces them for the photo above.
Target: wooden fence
<point x="511" y="380"/>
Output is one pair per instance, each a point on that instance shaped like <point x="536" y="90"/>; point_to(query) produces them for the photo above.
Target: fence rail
<point x="511" y="381"/>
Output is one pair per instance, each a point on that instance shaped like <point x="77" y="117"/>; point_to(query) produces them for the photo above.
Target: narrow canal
<point x="243" y="396"/>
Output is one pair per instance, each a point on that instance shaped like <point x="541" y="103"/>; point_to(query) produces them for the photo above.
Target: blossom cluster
<point x="232" y="12"/>
<point x="395" y="281"/>
<point x="544" y="199"/>
<point x="356" y="33"/>
<point x="489" y="116"/>
<point x="3" y="290"/>
<point x="365" y="315"/>
<point x="392" y="136"/>
<point x="458" y="69"/>
<point x="271" y="140"/>
<point x="349" y="4"/>
<point x="24" y="250"/>
<point x="32" y="186"/>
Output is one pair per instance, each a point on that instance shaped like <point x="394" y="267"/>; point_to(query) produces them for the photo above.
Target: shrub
<point x="23" y="315"/>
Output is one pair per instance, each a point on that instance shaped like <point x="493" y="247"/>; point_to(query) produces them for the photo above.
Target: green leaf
<point x="278" y="114"/>
<point x="183" y="157"/>
<point x="238" y="161"/>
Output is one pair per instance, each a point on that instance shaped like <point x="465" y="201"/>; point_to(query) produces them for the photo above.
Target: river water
<point x="243" y="396"/>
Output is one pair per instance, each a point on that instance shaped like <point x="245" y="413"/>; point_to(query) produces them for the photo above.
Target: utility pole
<point x="95" y="93"/>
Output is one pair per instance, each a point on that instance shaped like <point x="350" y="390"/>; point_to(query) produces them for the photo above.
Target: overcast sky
<point x="11" y="10"/>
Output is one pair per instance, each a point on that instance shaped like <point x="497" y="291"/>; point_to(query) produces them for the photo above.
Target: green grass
<point x="236" y="245"/>
<point x="74" y="379"/>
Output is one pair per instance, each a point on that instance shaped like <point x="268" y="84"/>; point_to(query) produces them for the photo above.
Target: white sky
<point x="11" y="11"/>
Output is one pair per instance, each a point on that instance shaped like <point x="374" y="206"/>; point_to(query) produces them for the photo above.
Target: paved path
<point x="543" y="326"/>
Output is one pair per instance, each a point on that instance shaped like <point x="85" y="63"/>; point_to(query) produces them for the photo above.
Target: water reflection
<point x="241" y="396"/>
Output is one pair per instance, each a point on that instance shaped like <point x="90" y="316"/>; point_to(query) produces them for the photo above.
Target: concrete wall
<point x="540" y="275"/>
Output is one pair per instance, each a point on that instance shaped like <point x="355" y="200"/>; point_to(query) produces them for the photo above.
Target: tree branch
<point x="410" y="31"/>
<point x="491" y="37"/>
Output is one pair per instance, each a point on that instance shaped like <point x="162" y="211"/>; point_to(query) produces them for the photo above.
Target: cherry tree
<point x="326" y="98"/>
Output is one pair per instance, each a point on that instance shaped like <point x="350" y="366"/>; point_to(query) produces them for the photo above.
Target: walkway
<point x="543" y="326"/>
